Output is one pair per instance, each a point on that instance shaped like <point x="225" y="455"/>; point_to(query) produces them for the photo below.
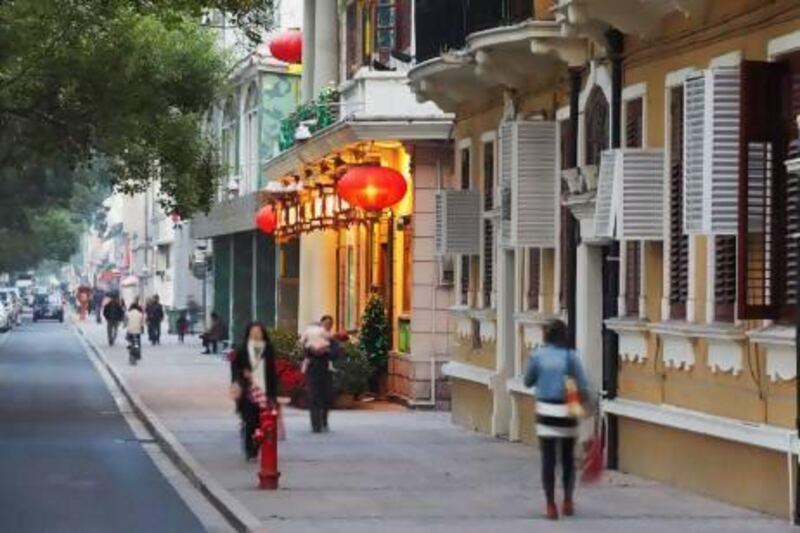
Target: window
<point x="565" y="146"/>
<point x="534" y="284"/>
<point x="633" y="123"/>
<point x="487" y="281"/>
<point x="250" y="167"/>
<point x="768" y="204"/>
<point x="633" y="277"/>
<point x="408" y="240"/>
<point x="465" y="170"/>
<point x="679" y="241"/>
<point x="353" y="56"/>
<point x="596" y="117"/>
<point x="488" y="176"/>
<point x="385" y="23"/>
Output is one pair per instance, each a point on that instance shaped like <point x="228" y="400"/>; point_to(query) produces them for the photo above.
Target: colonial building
<point x="359" y="112"/>
<point x="628" y="158"/>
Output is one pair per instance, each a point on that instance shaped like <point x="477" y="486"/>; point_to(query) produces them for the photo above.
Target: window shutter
<point x="761" y="174"/>
<point x="529" y="183"/>
<point x="534" y="280"/>
<point x="792" y="195"/>
<point x="679" y="241"/>
<point x="604" y="211"/>
<point x="488" y="176"/>
<point x="632" y="277"/>
<point x="464" y="280"/>
<point x="488" y="262"/>
<point x="633" y="123"/>
<point x="693" y="118"/>
<point x="596" y="117"/>
<point x="457" y="220"/>
<point x="724" y="277"/>
<point x="641" y="190"/>
<point x="403" y="25"/>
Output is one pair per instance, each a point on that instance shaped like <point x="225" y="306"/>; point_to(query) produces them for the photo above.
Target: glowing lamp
<point x="267" y="219"/>
<point x="288" y="46"/>
<point x="372" y="187"/>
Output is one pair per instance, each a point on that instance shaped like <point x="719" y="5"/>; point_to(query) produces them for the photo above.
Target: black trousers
<point x="550" y="448"/>
<point x="320" y="392"/>
<point x="250" y="414"/>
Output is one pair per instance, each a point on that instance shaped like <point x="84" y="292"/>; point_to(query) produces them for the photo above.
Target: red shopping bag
<point x="594" y="456"/>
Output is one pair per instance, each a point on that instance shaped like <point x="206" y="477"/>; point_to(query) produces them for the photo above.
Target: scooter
<point x="134" y="348"/>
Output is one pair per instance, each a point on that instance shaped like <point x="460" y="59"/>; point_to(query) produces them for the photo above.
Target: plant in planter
<point x="353" y="371"/>
<point x="286" y="344"/>
<point x="373" y="337"/>
<point x="291" y="381"/>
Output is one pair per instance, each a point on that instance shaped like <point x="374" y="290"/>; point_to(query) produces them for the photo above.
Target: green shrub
<point x="286" y="344"/>
<point x="353" y="370"/>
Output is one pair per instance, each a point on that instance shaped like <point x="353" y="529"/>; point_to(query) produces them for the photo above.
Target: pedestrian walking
<point x="216" y="332"/>
<point x="134" y="329"/>
<point x="155" y="315"/>
<point x="182" y="325"/>
<point x="555" y="369"/>
<point x="254" y="379"/>
<point x="114" y="314"/>
<point x="193" y="309"/>
<point x="317" y="367"/>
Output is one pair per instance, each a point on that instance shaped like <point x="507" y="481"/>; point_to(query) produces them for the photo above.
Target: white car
<point x="5" y="323"/>
<point x="13" y="302"/>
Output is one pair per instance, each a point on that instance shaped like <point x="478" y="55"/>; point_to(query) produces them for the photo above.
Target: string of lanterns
<point x="358" y="197"/>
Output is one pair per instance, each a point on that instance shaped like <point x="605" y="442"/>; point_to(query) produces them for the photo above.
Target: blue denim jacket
<point x="548" y="366"/>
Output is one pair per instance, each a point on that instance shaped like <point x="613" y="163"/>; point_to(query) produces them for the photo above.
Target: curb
<point x="237" y="515"/>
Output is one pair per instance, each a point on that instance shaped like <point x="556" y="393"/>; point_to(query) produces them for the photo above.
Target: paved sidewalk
<point x="392" y="470"/>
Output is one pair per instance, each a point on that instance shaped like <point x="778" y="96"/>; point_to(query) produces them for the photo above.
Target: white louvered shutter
<point x="721" y="165"/>
<point x="693" y="149"/>
<point x="604" y="204"/>
<point x="457" y="221"/>
<point x="535" y="185"/>
<point x="641" y="205"/>
<point x="711" y="152"/>
<point x="506" y="138"/>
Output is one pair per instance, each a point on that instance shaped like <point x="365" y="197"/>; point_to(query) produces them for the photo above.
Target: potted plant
<point x="353" y="372"/>
<point x="373" y="339"/>
<point x="291" y="382"/>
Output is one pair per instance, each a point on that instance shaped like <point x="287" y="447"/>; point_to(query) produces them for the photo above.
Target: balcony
<point x="309" y="118"/>
<point x="487" y="48"/>
<point x="463" y="17"/>
<point x="379" y="94"/>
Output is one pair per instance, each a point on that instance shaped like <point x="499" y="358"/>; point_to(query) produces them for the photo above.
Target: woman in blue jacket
<point x="548" y="368"/>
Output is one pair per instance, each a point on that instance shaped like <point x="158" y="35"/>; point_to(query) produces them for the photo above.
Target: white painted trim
<point x="516" y="385"/>
<point x="643" y="280"/>
<point x="467" y="372"/>
<point x="632" y="92"/>
<point x="677" y="77"/>
<point x="691" y="297"/>
<point x="562" y="113"/>
<point x="730" y="429"/>
<point x="466" y="142"/>
<point x="731" y="59"/>
<point x="489" y="136"/>
<point x="783" y="45"/>
<point x="711" y="279"/>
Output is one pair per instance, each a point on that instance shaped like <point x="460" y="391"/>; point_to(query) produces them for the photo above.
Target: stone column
<point x="307" y="86"/>
<point x="318" y="266"/>
<point x="326" y="44"/>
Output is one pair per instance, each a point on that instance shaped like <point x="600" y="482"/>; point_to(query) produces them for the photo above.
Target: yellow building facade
<point x="628" y="116"/>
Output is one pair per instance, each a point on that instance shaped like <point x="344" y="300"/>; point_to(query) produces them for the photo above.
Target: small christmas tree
<point x="373" y="338"/>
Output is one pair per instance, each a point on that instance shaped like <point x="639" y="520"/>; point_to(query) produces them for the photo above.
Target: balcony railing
<point x="444" y="24"/>
<point x="316" y="115"/>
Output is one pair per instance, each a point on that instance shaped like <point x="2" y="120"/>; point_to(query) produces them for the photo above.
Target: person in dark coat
<point x="155" y="315"/>
<point x="253" y="367"/>
<point x="215" y="333"/>
<point x="114" y="313"/>
<point x="317" y="367"/>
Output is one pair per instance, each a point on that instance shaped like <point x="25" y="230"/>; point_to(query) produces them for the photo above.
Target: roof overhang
<point x="525" y="57"/>
<point x="229" y="216"/>
<point x="348" y="131"/>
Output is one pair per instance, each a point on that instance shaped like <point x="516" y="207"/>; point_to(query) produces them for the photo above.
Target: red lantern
<point x="372" y="187"/>
<point x="288" y="46"/>
<point x="267" y="219"/>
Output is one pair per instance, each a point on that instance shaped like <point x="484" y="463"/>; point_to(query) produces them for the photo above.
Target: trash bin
<point x="172" y="321"/>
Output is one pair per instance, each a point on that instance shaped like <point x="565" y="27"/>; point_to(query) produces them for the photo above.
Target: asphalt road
<point x="68" y="459"/>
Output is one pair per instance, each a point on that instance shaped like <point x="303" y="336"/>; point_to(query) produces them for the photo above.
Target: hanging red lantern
<point x="372" y="187"/>
<point x="267" y="219"/>
<point x="288" y="46"/>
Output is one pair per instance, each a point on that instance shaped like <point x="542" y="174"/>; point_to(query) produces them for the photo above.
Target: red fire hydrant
<point x="267" y="437"/>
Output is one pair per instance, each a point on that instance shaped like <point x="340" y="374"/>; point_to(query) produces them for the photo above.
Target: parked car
<point x="5" y="323"/>
<point x="12" y="300"/>
<point x="48" y="306"/>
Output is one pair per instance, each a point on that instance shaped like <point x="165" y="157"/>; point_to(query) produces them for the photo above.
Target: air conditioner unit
<point x="457" y="220"/>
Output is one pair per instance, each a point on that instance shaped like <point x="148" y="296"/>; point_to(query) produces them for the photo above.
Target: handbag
<point x="572" y="396"/>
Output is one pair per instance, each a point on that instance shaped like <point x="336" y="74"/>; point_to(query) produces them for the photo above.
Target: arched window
<point x="229" y="141"/>
<point x="596" y="121"/>
<point x="251" y="138"/>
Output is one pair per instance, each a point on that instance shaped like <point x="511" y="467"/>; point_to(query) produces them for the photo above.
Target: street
<point x="70" y="462"/>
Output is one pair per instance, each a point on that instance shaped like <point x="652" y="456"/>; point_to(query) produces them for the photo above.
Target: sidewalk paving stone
<point x="392" y="470"/>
